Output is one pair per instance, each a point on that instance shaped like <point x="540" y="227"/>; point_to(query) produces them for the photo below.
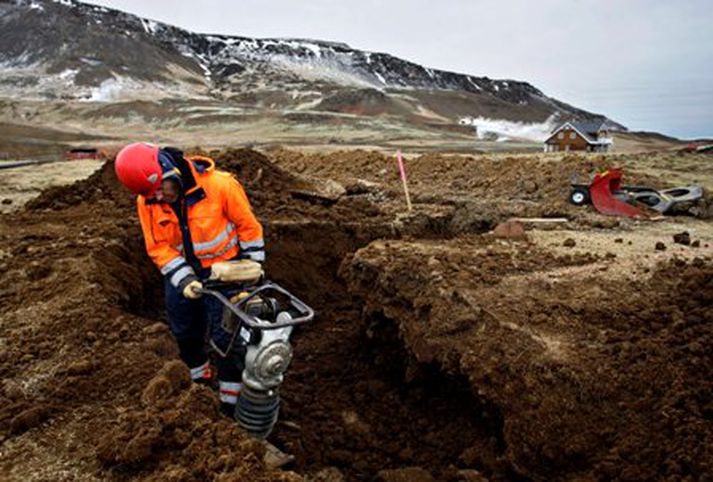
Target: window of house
<point x="572" y="135"/>
<point x="560" y="135"/>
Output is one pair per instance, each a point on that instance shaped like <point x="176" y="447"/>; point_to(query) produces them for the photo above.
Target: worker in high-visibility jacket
<point x="192" y="216"/>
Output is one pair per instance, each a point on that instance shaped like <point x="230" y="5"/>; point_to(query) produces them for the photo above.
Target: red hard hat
<point x="138" y="169"/>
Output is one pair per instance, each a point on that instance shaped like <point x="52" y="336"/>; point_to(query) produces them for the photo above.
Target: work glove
<point x="189" y="291"/>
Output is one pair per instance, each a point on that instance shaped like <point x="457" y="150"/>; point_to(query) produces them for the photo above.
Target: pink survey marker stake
<point x="402" y="170"/>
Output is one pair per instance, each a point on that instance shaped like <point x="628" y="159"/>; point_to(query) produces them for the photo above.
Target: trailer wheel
<point x="579" y="196"/>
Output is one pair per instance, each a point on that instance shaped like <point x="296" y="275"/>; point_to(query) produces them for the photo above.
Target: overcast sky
<point x="645" y="63"/>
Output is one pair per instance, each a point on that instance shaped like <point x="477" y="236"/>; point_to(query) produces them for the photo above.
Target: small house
<point x="579" y="136"/>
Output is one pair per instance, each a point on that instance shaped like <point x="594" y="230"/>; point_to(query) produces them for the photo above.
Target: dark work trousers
<point x="189" y="320"/>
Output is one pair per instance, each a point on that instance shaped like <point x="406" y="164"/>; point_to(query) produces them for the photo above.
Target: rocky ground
<point x="575" y="350"/>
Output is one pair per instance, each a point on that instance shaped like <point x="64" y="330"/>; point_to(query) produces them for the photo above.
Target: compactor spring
<point x="257" y="411"/>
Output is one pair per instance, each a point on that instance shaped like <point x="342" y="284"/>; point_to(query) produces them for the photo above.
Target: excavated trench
<point x="354" y="398"/>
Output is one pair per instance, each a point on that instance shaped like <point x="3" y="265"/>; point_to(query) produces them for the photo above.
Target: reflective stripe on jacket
<point x="220" y="220"/>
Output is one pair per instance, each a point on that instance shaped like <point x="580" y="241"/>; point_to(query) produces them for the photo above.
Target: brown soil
<point x="591" y="377"/>
<point x="437" y="352"/>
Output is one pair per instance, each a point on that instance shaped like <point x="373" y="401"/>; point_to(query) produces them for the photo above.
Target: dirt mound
<point x="587" y="384"/>
<point x="502" y="187"/>
<point x="80" y="346"/>
<point x="100" y="186"/>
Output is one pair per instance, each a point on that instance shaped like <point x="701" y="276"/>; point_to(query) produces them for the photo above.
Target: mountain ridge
<point x="66" y="50"/>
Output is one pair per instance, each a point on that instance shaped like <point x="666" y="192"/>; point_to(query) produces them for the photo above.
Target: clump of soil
<point x="683" y="238"/>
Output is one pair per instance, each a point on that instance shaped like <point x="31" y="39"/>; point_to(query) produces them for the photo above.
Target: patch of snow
<point x="213" y="38"/>
<point x="323" y="68"/>
<point x="380" y="77"/>
<point x="90" y="61"/>
<point x="314" y="48"/>
<point x="430" y="73"/>
<point x="149" y="25"/>
<point x="36" y="6"/>
<point x="68" y="75"/>
<point x="67" y="3"/>
<point x="368" y="57"/>
<point x="470" y="79"/>
<point x="532" y="131"/>
<point x="22" y="60"/>
<point x="496" y="87"/>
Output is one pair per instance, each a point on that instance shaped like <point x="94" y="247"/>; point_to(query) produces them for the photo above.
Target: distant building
<point x="84" y="153"/>
<point x="579" y="136"/>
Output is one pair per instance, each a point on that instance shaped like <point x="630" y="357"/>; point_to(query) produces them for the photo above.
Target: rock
<point x="660" y="246"/>
<point x="275" y="458"/>
<point x="325" y="191"/>
<point x="696" y="243"/>
<point x="409" y="474"/>
<point x="569" y="243"/>
<point x="682" y="238"/>
<point x="361" y="186"/>
<point x="618" y="240"/>
<point x="7" y="200"/>
<point x="509" y="229"/>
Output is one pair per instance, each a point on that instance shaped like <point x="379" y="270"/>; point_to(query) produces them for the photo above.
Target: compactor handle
<point x="305" y="313"/>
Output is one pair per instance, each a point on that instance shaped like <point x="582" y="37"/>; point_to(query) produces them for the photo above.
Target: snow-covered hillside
<point x="67" y="50"/>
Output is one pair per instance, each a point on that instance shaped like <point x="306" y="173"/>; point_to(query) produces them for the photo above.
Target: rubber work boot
<point x="274" y="457"/>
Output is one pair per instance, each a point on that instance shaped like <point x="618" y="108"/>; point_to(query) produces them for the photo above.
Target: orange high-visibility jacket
<point x="220" y="220"/>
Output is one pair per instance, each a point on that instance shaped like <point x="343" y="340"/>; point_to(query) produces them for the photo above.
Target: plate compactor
<point x="260" y="316"/>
